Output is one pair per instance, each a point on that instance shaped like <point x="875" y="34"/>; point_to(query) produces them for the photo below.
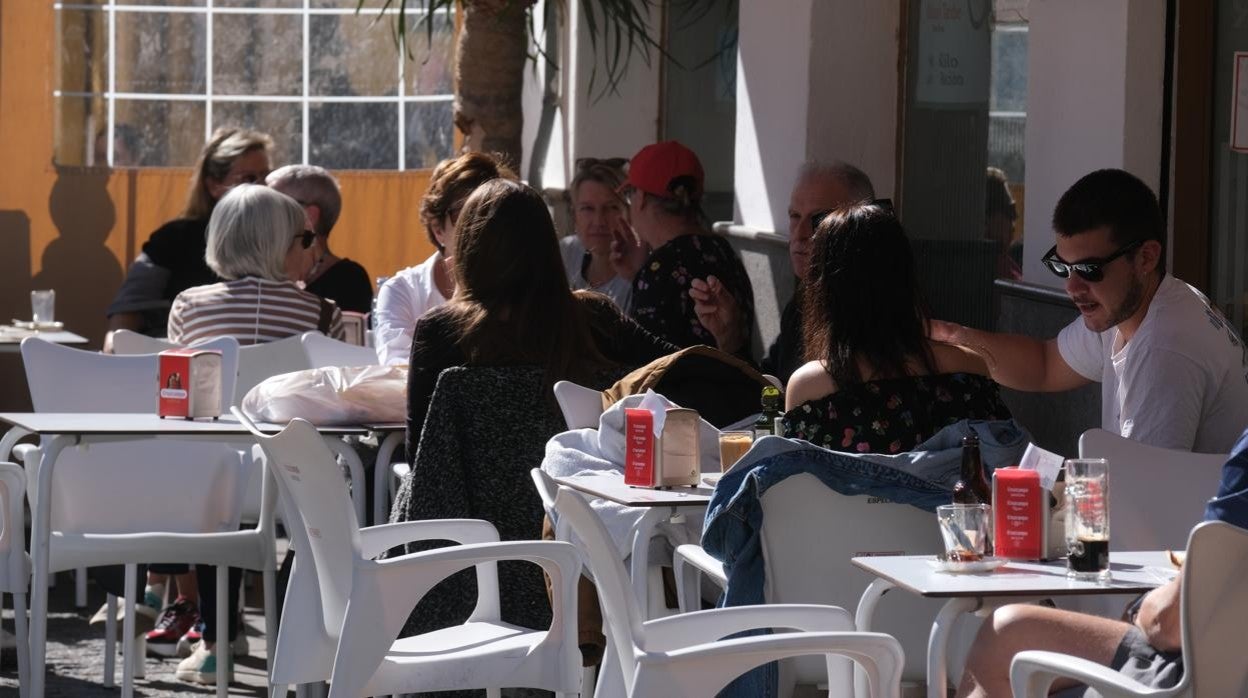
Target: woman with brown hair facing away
<point x="873" y="381"/>
<point x="414" y="291"/>
<point x="512" y="305"/>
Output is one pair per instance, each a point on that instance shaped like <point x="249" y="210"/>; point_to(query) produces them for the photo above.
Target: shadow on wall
<point x="83" y="272"/>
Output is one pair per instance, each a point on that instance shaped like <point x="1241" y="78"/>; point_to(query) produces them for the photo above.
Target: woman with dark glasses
<point x="258" y="243"/>
<point x="1172" y="369"/>
<point x="873" y="381"/>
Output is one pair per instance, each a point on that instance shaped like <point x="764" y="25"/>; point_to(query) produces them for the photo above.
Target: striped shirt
<point x="251" y="310"/>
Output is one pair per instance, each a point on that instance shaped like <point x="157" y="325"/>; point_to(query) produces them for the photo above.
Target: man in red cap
<point x="672" y="249"/>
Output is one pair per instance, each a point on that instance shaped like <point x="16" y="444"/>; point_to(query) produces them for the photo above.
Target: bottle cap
<point x="970" y="440"/>
<point x="771" y="397"/>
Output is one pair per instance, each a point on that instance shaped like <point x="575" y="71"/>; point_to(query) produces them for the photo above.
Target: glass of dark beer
<point x="1087" y="519"/>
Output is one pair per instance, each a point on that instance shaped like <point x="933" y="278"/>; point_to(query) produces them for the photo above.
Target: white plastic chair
<point x="343" y="609"/>
<point x="257" y="362"/>
<point x="1154" y="493"/>
<point x="581" y="406"/>
<point x="153" y="501"/>
<point x="1213" y="614"/>
<point x="326" y="351"/>
<point x="14" y="562"/>
<point x="684" y="655"/>
<point x="129" y="343"/>
<point x="809" y="534"/>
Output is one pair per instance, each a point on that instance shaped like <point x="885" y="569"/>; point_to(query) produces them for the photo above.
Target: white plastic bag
<point x="332" y="395"/>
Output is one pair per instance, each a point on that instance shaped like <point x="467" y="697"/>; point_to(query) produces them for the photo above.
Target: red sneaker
<point x="174" y="622"/>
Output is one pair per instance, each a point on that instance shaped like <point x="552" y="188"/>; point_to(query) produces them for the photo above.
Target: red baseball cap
<point x="654" y="168"/>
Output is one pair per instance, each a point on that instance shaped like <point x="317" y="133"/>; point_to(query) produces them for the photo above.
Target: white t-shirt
<point x="619" y="290"/>
<point x="400" y="302"/>
<point x="1182" y="380"/>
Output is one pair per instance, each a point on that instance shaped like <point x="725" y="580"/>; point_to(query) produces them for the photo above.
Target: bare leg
<point x="1012" y="629"/>
<point x="188" y="587"/>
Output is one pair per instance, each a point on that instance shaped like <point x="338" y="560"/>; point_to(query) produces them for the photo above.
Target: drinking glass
<point x="964" y="528"/>
<point x="1087" y="519"/>
<point x="733" y="445"/>
<point x="43" y="306"/>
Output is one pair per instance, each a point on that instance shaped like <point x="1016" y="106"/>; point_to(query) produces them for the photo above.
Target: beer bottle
<point x="766" y="424"/>
<point x="972" y="486"/>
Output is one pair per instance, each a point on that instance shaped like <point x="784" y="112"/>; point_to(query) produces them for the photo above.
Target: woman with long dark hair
<point x="873" y="381"/>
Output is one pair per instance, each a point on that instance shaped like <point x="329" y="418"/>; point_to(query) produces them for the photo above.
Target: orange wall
<point x="75" y="229"/>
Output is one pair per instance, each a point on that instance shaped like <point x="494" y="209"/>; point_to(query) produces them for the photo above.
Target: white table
<point x="1133" y="573"/>
<point x="11" y="342"/>
<point x="660" y="506"/>
<point x="71" y="429"/>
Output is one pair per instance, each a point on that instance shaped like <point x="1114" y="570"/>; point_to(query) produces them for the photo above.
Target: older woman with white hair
<point x="258" y="242"/>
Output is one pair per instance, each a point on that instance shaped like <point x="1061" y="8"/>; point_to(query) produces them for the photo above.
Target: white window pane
<point x="283" y="122"/>
<point x="354" y="136"/>
<point x="257" y="55"/>
<point x="78" y="122"/>
<point x="83" y="59"/>
<point x="166" y="134"/>
<point x="352" y="56"/>
<point x="161" y="53"/>
<point x="429" y="70"/>
<point x="430" y="134"/>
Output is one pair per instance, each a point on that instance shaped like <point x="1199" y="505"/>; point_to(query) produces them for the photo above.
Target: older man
<point x="820" y="187"/>
<point x="340" y="280"/>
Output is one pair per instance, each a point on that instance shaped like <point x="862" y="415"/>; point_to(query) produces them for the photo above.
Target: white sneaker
<point x="201" y="667"/>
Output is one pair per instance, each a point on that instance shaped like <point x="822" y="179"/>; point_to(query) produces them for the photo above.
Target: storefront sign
<point x="954" y="52"/>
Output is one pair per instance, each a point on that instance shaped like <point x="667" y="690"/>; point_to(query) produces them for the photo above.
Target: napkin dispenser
<point x="190" y="383"/>
<point x="672" y="459"/>
<point x="1020" y="507"/>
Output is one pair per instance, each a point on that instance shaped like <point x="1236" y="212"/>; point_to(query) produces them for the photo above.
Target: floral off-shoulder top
<point x="895" y="414"/>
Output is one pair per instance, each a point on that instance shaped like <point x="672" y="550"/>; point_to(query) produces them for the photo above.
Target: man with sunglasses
<point x="1171" y="368"/>
<point x="820" y="188"/>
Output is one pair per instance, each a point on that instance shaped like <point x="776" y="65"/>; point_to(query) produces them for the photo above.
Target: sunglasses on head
<point x="817" y="217"/>
<point x="305" y="238"/>
<point x="1092" y="270"/>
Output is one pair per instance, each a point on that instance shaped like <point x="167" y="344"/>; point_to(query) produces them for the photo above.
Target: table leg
<point x="40" y="538"/>
<point x="938" y="643"/>
<point x="863" y="618"/>
<point x="381" y="476"/>
<point x="356" y="467"/>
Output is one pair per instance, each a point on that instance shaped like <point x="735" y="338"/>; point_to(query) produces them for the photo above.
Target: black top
<point x="435" y="346"/>
<point x="786" y="353"/>
<point x="894" y="414"/>
<point x="345" y="283"/>
<point x="661" y="302"/>
<point x="172" y="261"/>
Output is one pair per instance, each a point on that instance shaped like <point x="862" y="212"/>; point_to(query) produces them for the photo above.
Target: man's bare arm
<point x="1159" y="617"/>
<point x="1015" y="361"/>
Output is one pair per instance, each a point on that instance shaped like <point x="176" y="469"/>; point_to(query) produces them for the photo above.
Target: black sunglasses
<point x="305" y="238"/>
<point x="817" y="217"/>
<point x="1092" y="270"/>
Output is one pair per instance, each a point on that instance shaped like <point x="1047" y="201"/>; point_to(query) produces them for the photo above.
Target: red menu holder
<point x="1020" y="508"/>
<point x="190" y="383"/>
<point x="638" y="447"/>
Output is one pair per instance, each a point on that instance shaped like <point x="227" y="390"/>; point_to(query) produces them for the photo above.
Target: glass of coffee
<point x="964" y="528"/>
<point x="733" y="445"/>
<point x="1087" y="519"/>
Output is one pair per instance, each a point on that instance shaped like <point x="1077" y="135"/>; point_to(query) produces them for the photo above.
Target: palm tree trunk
<point x="489" y="76"/>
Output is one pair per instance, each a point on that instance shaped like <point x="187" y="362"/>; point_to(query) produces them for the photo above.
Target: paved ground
<point x="76" y="655"/>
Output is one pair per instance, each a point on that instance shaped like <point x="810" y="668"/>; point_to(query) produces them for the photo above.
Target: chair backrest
<point x="327" y="351"/>
<point x="809" y="534"/>
<point x="128" y="343"/>
<point x="610" y="577"/>
<point x="581" y="406"/>
<point x="1155" y="493"/>
<point x="318" y="509"/>
<point x="13" y="568"/>
<point x="1215" y="609"/>
<point x="257" y="362"/>
<point x="165" y="485"/>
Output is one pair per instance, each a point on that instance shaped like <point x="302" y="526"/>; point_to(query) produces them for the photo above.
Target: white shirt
<point x="618" y="289"/>
<point x="1182" y="380"/>
<point x="400" y="302"/>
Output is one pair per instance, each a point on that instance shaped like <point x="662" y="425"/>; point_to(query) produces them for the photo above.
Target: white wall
<point x="1094" y="100"/>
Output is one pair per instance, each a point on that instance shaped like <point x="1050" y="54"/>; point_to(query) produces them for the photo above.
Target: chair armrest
<point x="687" y="562"/>
<point x="704" y="669"/>
<point x="25" y="453"/>
<point x="9" y="440"/>
<point x="1033" y="672"/>
<point x="674" y="632"/>
<point x="375" y="540"/>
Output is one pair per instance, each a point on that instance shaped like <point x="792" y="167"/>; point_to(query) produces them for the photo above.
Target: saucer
<point x="987" y="564"/>
<point x="32" y="325"/>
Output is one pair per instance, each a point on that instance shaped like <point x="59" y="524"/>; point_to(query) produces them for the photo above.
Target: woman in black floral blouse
<point x="673" y="247"/>
<point x="874" y="382"/>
